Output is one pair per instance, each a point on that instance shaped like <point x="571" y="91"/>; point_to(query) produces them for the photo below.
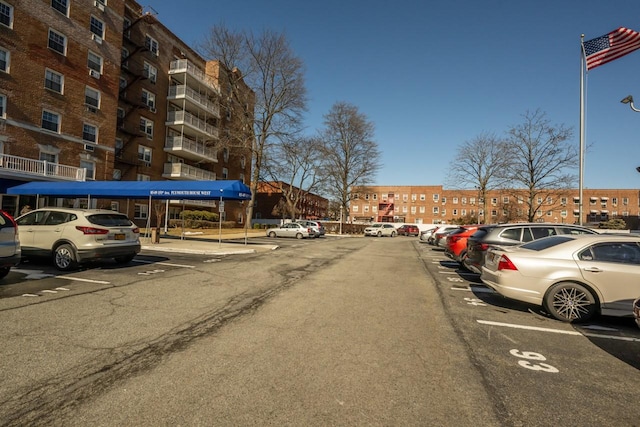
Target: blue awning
<point x="174" y="190"/>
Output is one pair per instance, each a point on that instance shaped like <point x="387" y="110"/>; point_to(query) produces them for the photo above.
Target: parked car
<point x="442" y="231"/>
<point x="381" y="229"/>
<point x="10" y="250"/>
<point x="408" y="230"/>
<point x="292" y="229"/>
<point x="510" y="235"/>
<point x="456" y="242"/>
<point x="636" y="311"/>
<point x="74" y="236"/>
<point x="426" y="234"/>
<point x="316" y="226"/>
<point x="573" y="277"/>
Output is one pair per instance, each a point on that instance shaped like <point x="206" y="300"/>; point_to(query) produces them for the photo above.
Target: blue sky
<point x="432" y="75"/>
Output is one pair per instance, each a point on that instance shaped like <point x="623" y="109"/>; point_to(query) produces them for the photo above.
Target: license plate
<point x="119" y="236"/>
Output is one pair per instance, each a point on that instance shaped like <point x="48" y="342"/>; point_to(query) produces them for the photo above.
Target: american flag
<point x="612" y="46"/>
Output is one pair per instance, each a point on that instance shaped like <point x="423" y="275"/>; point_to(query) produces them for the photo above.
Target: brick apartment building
<point x="91" y="90"/>
<point x="434" y="204"/>
<point x="270" y="203"/>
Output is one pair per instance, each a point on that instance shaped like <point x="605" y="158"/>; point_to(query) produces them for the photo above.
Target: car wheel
<point x="64" y="257"/>
<point x="393" y="234"/>
<point x="272" y="234"/>
<point x="570" y="302"/>
<point x="4" y="271"/>
<point x="125" y="258"/>
<point x="379" y="234"/>
<point x="299" y="236"/>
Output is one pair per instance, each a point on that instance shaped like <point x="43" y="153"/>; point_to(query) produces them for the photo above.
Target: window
<point x="141" y="211"/>
<point x="144" y="154"/>
<point x="50" y="121"/>
<point x="454" y="200"/>
<point x="151" y="44"/>
<point x="455" y="212"/>
<point x="614" y="201"/>
<point x="366" y="208"/>
<point x="92" y="98"/>
<point x="90" y="167"/>
<point x="149" y="99"/>
<point x="225" y="173"/>
<point x="625" y="201"/>
<point x="563" y="201"/>
<point x="3" y="106"/>
<point x="225" y="156"/>
<point x="414" y="197"/>
<point x="413" y="209"/>
<point x="61" y="6"/>
<point x="354" y="208"/>
<point x="94" y="62"/>
<point x="146" y="126"/>
<point x="6" y="14"/>
<point x="505" y="200"/>
<point x="122" y="85"/>
<point x="53" y="81"/>
<point x="243" y="162"/>
<point x="4" y="60"/>
<point x="48" y="157"/>
<point x="90" y="133"/>
<point x="124" y="56"/>
<point x="472" y="200"/>
<point x="150" y="72"/>
<point x="57" y="42"/>
<point x="423" y="197"/>
<point x="435" y="210"/>
<point x="436" y="197"/>
<point x="143" y="177"/>
<point x="422" y="209"/>
<point x="126" y="28"/>
<point x="375" y="197"/>
<point x="96" y="26"/>
<point x="241" y="178"/>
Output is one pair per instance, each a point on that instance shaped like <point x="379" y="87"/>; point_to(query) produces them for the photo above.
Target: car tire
<point x="379" y="234"/>
<point x="125" y="258"/>
<point x="272" y="234"/>
<point x="570" y="302"/>
<point x="393" y="234"/>
<point x="299" y="236"/>
<point x="4" y="271"/>
<point x="64" y="257"/>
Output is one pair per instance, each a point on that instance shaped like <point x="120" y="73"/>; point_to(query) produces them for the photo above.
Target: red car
<point x="408" y="230"/>
<point x="456" y="247"/>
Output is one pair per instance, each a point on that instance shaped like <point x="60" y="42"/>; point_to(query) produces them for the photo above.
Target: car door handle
<point x="593" y="270"/>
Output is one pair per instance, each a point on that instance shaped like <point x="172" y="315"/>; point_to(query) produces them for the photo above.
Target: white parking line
<point x="77" y="279"/>
<point x="164" y="263"/>
<point x="557" y="331"/>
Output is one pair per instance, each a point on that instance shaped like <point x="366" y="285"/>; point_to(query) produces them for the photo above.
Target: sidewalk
<point x="208" y="244"/>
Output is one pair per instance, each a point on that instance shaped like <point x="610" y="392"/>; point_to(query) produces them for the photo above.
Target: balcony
<point x="182" y="171"/>
<point x="22" y="167"/>
<point x="190" y="149"/>
<point x="181" y="92"/>
<point x="183" y="66"/>
<point x="183" y="118"/>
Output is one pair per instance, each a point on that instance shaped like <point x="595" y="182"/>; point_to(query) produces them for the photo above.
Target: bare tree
<point x="353" y="157"/>
<point x="540" y="159"/>
<point x="263" y="91"/>
<point x="478" y="164"/>
<point x="297" y="167"/>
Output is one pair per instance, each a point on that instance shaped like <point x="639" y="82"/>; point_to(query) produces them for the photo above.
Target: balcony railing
<point x="189" y="148"/>
<point x="182" y="171"/>
<point x="21" y="166"/>
<point x="183" y="91"/>
<point x="185" y="118"/>
<point x="184" y="66"/>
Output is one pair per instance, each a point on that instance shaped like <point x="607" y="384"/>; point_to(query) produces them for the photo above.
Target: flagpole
<point x="582" y="126"/>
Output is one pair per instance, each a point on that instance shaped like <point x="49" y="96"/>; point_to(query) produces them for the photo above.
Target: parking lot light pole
<point x="629" y="100"/>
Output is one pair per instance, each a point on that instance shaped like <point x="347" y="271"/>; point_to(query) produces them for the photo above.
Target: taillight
<point x="136" y="230"/>
<point x="92" y="230"/>
<point x="483" y="246"/>
<point x="454" y="239"/>
<point x="505" y="264"/>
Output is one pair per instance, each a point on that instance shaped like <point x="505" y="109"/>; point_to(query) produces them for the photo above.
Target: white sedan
<point x="573" y="277"/>
<point x="381" y="229"/>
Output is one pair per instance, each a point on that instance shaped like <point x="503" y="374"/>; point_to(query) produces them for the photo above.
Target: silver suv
<point x="73" y="236"/>
<point x="10" y="251"/>
<point x="510" y="235"/>
<point x="316" y="226"/>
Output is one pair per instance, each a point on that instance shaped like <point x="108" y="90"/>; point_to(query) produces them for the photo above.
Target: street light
<point x="629" y="100"/>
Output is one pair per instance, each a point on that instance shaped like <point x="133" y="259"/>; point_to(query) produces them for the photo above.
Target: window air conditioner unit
<point x="97" y="38"/>
<point x="95" y="74"/>
<point x="99" y="5"/>
<point x="152" y="108"/>
<point x="89" y="147"/>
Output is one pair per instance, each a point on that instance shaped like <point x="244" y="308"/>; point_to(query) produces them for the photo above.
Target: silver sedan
<point x="292" y="229"/>
<point x="573" y="277"/>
